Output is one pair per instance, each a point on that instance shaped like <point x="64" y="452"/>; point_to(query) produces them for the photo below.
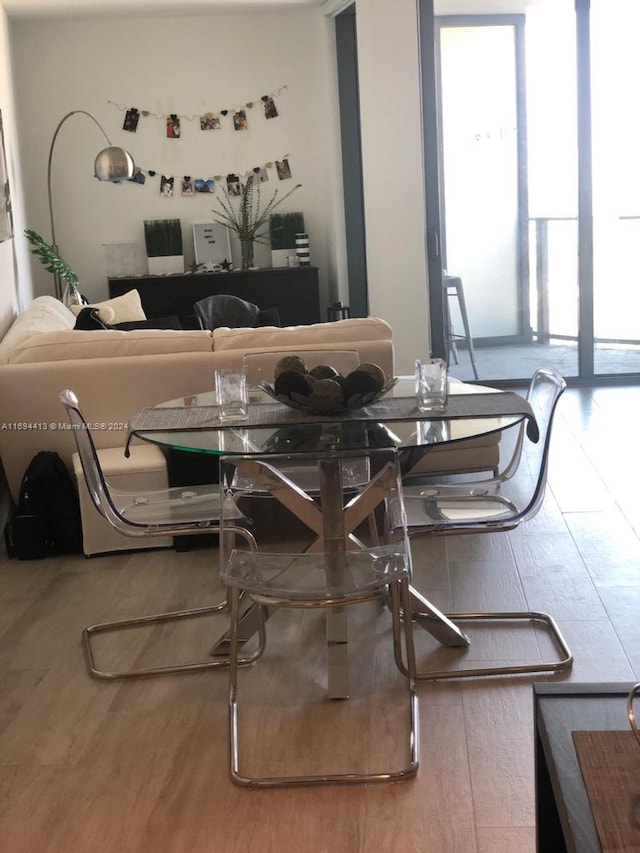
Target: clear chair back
<point x="507" y="500"/>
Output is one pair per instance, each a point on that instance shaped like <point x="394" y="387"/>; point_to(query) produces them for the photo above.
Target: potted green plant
<point x="163" y="241"/>
<point x="53" y="263"/>
<point x="283" y="228"/>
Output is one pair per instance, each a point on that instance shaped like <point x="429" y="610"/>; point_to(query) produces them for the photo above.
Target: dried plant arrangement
<point x="251" y="217"/>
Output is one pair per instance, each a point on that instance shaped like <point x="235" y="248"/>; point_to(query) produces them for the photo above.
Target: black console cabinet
<point x="293" y="291"/>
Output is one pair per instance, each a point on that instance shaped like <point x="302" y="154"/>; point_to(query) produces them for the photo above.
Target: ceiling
<point x="32" y="9"/>
<point x="42" y="9"/>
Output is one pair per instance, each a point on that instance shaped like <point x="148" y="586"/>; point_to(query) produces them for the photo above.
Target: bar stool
<point x="453" y="287"/>
<point x="338" y="311"/>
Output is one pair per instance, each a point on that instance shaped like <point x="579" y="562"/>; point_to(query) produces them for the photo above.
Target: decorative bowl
<point x="317" y="404"/>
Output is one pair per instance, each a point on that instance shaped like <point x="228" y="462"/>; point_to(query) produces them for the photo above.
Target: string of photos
<point x="186" y="185"/>
<point x="211" y="120"/>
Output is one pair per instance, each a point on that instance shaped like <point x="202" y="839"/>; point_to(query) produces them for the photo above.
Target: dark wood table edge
<point x="555" y="802"/>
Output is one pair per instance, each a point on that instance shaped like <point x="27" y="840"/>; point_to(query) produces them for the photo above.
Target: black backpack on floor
<point x="47" y="519"/>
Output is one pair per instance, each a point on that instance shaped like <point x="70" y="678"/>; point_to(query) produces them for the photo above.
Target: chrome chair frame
<point x="205" y="520"/>
<point x="497" y="513"/>
<point x="385" y="483"/>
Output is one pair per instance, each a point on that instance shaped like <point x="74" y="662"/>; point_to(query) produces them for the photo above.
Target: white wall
<point x="195" y="64"/>
<point x="182" y="65"/>
<point x="389" y="73"/>
<point x="14" y="266"/>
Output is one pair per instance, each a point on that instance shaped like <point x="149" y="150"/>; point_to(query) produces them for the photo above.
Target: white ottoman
<point x="146" y="470"/>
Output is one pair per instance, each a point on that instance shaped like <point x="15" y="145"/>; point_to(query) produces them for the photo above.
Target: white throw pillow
<point x="125" y="309"/>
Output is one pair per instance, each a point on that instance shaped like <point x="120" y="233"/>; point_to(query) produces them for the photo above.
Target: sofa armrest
<point x="110" y="390"/>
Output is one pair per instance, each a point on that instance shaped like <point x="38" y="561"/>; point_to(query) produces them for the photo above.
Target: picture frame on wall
<point x="6" y="217"/>
<point x="211" y="243"/>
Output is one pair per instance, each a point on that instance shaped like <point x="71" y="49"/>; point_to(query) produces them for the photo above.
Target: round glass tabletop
<point x="420" y="431"/>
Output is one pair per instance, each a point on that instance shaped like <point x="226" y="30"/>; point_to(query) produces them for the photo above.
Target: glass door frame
<point x="433" y="191"/>
<point x="432" y="171"/>
<point x="585" y="196"/>
<point x="523" y="334"/>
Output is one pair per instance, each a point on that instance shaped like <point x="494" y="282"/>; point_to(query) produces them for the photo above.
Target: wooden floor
<point x="94" y="767"/>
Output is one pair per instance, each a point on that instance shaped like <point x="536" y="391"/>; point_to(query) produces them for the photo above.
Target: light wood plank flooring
<point x="141" y="766"/>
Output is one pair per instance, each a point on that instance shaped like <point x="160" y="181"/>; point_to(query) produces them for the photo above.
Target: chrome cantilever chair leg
<point x="213" y="662"/>
<point x="564" y="661"/>
<point x="407" y="668"/>
<point x="217" y="658"/>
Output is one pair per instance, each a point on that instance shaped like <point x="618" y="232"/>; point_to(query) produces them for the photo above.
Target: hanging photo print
<point x="138" y="176"/>
<point x="263" y="175"/>
<point x="233" y="185"/>
<point x="204" y="185"/>
<point x="240" y="120"/>
<point x="283" y="170"/>
<point x="209" y="122"/>
<point x="131" y="119"/>
<point x="270" y="110"/>
<point x="188" y="186"/>
<point x="166" y="186"/>
<point x="173" y="126"/>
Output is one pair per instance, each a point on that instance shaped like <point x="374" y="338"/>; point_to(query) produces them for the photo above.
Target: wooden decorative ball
<point x="375" y="371"/>
<point x="290" y="363"/>
<point x="328" y="388"/>
<point x="292" y="382"/>
<point x="360" y="382"/>
<point x="323" y="371"/>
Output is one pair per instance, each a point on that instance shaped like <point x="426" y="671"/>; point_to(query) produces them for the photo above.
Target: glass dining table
<point x="192" y="424"/>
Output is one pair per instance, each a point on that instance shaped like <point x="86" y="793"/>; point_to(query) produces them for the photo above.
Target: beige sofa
<point x="115" y="373"/>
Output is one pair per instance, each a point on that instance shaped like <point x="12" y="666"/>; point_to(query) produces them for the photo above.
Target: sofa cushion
<point x="171" y="322"/>
<point x="44" y="314"/>
<point x="126" y="308"/>
<point x="267" y="337"/>
<point x="109" y="343"/>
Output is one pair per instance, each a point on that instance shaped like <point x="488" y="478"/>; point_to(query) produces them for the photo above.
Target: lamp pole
<point x="116" y="165"/>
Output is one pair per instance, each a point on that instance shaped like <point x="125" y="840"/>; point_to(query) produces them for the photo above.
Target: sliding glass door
<point x="483" y="146"/>
<point x="537" y="184"/>
<point x="615" y="80"/>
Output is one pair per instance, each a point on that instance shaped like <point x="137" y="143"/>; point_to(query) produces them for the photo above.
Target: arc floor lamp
<point x="112" y="164"/>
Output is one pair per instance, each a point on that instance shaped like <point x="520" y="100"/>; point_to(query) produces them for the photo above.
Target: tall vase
<point x="302" y="249"/>
<point x="71" y="295"/>
<point x="246" y="249"/>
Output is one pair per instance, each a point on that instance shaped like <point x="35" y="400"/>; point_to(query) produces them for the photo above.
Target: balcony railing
<point x="553" y="270"/>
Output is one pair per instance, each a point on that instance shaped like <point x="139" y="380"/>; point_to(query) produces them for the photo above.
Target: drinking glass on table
<point x="232" y="394"/>
<point x="431" y="385"/>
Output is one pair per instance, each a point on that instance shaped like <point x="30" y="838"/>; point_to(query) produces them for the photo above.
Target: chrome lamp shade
<point x="114" y="164"/>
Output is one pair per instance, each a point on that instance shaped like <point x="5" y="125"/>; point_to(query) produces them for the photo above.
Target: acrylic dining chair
<point x="146" y="515"/>
<point x="336" y="568"/>
<point x="495" y="505"/>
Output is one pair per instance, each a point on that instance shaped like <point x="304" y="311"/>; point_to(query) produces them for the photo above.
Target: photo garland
<point x="188" y="186"/>
<point x="210" y="120"/>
